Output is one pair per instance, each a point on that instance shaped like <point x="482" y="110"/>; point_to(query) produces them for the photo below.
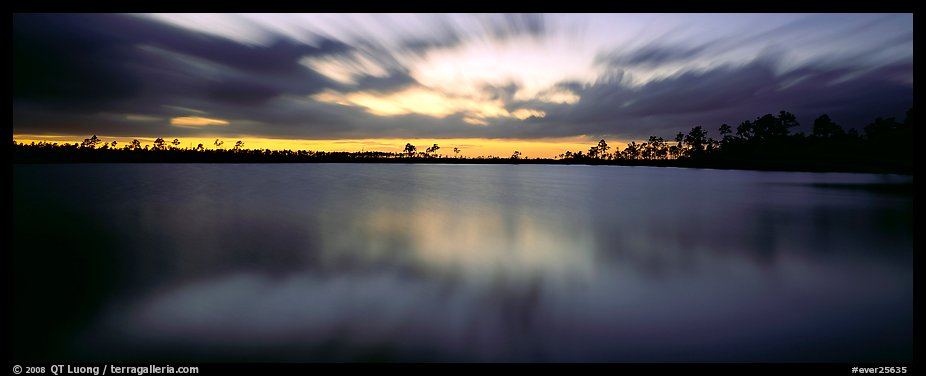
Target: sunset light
<point x="196" y="121"/>
<point x="452" y="76"/>
<point x="702" y="190"/>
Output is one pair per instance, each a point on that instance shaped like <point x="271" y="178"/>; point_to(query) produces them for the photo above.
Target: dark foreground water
<point x="354" y="262"/>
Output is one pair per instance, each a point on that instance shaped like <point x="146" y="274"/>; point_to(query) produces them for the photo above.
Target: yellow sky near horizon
<point x="469" y="147"/>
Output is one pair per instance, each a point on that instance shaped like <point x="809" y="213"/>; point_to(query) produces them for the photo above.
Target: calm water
<point x="354" y="262"/>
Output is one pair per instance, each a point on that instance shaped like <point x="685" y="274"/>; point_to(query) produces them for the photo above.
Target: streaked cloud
<point x="417" y="100"/>
<point x="360" y="76"/>
<point x="346" y="68"/>
<point x="133" y="117"/>
<point x="475" y="121"/>
<point x="195" y="121"/>
<point x="524" y="113"/>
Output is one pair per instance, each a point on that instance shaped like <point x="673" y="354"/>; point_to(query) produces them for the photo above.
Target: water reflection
<point x="487" y="263"/>
<point x="471" y="245"/>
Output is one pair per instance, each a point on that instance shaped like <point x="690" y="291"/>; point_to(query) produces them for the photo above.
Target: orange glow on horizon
<point x="469" y="147"/>
<point x="196" y="121"/>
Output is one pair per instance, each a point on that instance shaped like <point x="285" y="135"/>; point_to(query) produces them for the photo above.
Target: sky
<point x="486" y="83"/>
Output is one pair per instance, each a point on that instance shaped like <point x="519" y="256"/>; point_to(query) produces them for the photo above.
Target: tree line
<point x="767" y="142"/>
<point x="885" y="145"/>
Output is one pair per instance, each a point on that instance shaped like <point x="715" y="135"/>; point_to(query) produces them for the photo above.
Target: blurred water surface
<point x="404" y="262"/>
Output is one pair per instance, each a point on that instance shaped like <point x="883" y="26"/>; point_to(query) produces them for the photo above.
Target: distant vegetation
<point x="884" y="145"/>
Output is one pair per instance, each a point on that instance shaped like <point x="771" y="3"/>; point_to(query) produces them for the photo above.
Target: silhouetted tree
<point x="175" y="142"/>
<point x="632" y="151"/>
<point x="602" y="149"/>
<point x="160" y="144"/>
<point x="646" y="151"/>
<point x="593" y="152"/>
<point x="767" y="127"/>
<point x="410" y="149"/>
<point x="456" y="151"/>
<point x="746" y="130"/>
<point x="725" y="129"/>
<point x="200" y="147"/>
<point x="712" y="145"/>
<point x="657" y="148"/>
<point x="824" y="127"/>
<point x="764" y="125"/>
<point x="889" y="140"/>
<point x="726" y="134"/>
<point x="432" y="149"/>
<point x="516" y="155"/>
<point x="218" y="144"/>
<point x="853" y="134"/>
<point x="696" y="139"/>
<point x="91" y="142"/>
<point x="679" y="144"/>
<point x="782" y="127"/>
<point x="136" y="145"/>
<point x="239" y="145"/>
<point x="880" y="128"/>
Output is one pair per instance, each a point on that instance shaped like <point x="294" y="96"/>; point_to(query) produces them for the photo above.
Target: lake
<point x="406" y="262"/>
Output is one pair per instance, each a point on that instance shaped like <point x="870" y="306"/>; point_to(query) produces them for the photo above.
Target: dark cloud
<point x="241" y="92"/>
<point x="447" y="39"/>
<point x="99" y="62"/>
<point x="59" y="59"/>
<point x="731" y="95"/>
<point x="504" y="93"/>
<point x="393" y="81"/>
<point x="446" y="34"/>
<point x="654" y="55"/>
<point x="82" y="74"/>
<point x="517" y="24"/>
